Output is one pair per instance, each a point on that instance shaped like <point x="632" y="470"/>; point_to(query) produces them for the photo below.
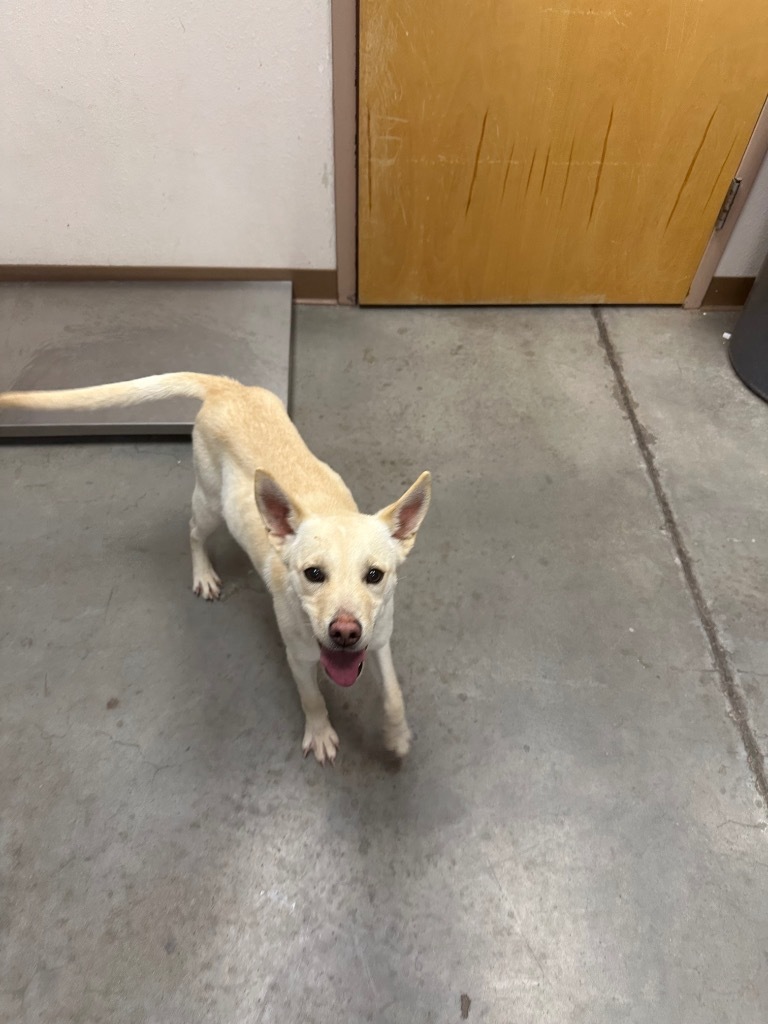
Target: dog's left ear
<point x="406" y="515"/>
<point x="281" y="515"/>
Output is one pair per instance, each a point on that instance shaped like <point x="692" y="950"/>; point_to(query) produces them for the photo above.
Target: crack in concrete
<point x="50" y="735"/>
<point x="518" y="927"/>
<point x="737" y="703"/>
<point x="761" y="826"/>
<point x="144" y="759"/>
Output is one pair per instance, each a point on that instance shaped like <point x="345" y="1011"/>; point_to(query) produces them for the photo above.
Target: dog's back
<point x="251" y="427"/>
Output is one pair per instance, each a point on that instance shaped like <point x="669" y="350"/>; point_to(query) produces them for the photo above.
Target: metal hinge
<point x="725" y="209"/>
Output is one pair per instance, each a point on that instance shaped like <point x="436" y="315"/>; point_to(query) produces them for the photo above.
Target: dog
<point x="330" y="569"/>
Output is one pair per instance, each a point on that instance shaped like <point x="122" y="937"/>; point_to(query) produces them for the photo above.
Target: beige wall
<point x="187" y="132"/>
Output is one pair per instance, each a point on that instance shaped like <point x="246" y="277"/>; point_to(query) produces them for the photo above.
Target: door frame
<point x="749" y="166"/>
<point x="344" y="50"/>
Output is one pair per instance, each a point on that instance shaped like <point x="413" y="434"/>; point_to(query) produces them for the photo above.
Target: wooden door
<point x="549" y="151"/>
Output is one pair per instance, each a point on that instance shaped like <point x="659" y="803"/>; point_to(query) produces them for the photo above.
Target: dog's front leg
<point x="397" y="735"/>
<point x="319" y="735"/>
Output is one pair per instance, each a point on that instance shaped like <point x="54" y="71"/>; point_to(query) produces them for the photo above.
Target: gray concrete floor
<point x="580" y="832"/>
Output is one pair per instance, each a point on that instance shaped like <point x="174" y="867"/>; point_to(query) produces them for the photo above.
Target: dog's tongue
<point x="342" y="666"/>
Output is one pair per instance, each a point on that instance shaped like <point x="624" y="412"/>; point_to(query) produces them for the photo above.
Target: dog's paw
<point x="320" y="737"/>
<point x="397" y="739"/>
<point x="208" y="585"/>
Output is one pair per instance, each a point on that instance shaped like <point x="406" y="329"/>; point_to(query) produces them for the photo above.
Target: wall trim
<point x="308" y="285"/>
<point x="727" y="292"/>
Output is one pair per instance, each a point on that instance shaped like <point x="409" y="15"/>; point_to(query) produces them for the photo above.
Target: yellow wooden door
<point x="553" y="151"/>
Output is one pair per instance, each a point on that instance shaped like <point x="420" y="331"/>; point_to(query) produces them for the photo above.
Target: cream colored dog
<point x="330" y="569"/>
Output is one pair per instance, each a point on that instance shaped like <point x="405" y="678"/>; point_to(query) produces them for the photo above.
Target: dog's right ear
<point x="281" y="515"/>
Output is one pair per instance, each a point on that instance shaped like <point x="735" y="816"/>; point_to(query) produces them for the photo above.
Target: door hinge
<point x="725" y="209"/>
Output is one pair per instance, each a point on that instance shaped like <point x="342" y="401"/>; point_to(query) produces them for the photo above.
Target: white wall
<point x="166" y="132"/>
<point x="748" y="245"/>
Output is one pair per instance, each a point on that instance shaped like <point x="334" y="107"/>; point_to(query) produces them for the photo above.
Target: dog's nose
<point x="345" y="630"/>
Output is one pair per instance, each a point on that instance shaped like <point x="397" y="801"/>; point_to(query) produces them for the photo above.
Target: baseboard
<point x="308" y="285"/>
<point x="727" y="292"/>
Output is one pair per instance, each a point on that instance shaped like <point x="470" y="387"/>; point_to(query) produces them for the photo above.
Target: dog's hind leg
<point x="205" y="519"/>
<point x="397" y="735"/>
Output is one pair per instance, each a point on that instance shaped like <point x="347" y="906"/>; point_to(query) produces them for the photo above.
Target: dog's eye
<point x="315" y="574"/>
<point x="374" y="576"/>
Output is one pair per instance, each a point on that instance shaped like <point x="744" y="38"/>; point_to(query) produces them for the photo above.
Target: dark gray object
<point x="748" y="348"/>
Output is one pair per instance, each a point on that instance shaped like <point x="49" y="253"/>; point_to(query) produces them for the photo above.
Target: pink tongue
<point x="342" y="666"/>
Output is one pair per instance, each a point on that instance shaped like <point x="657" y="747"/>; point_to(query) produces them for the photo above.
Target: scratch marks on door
<point x="370" y="162"/>
<point x="477" y="162"/>
<point x="530" y="172"/>
<point x="506" y="173"/>
<point x="383" y="140"/>
<point x="590" y="12"/>
<point x="567" y="171"/>
<point x="546" y="165"/>
<point x="691" y="165"/>
<point x="687" y="32"/>
<point x="600" y="168"/>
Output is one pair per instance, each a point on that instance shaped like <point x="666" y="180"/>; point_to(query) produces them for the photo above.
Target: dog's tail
<point x="128" y="392"/>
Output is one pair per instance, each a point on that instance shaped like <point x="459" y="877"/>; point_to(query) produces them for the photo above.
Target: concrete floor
<point x="580" y="832"/>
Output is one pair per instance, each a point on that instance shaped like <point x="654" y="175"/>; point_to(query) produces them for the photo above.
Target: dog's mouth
<point x="342" y="667"/>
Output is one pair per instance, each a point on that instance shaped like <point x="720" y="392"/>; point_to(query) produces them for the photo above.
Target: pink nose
<point x="345" y="630"/>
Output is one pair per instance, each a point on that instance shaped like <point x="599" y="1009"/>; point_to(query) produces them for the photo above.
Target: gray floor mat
<point x="71" y="335"/>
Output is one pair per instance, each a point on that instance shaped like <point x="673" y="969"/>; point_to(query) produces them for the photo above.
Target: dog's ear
<point x="281" y="515"/>
<point x="406" y="515"/>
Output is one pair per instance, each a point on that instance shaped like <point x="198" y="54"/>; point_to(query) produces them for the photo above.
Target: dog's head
<point x="343" y="568"/>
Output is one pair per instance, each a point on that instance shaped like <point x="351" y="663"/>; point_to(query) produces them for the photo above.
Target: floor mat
<point x="71" y="335"/>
